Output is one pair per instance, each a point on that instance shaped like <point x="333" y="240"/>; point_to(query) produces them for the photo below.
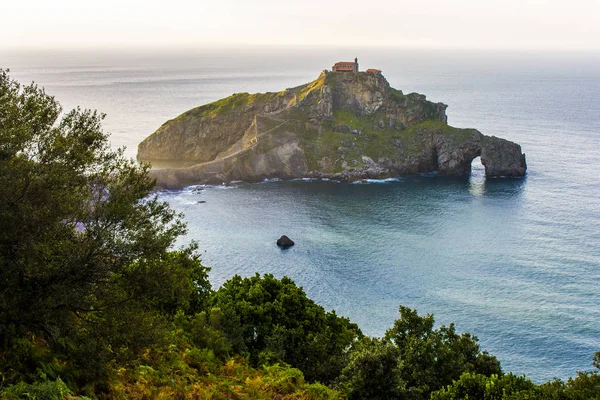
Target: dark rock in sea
<point x="285" y="242"/>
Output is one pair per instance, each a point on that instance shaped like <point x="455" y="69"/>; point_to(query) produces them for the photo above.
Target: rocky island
<point x="345" y="125"/>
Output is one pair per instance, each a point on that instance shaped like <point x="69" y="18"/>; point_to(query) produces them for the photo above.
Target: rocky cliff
<point x="343" y="125"/>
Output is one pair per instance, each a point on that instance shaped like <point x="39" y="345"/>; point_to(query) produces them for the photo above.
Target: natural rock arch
<point x="499" y="157"/>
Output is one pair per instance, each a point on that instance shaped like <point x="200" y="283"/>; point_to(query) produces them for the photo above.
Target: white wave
<point x="271" y="180"/>
<point x="376" y="181"/>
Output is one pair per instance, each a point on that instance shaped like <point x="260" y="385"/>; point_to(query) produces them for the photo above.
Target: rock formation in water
<point x="344" y="125"/>
<point x="285" y="242"/>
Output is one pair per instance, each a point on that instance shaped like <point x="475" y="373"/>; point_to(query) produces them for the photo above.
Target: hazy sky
<point x="541" y="24"/>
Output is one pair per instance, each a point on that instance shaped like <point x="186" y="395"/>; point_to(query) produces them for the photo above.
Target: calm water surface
<point x="516" y="262"/>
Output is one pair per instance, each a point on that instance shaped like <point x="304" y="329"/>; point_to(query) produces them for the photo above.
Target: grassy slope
<point x="303" y="91"/>
<point x="374" y="142"/>
<point x="239" y="101"/>
<point x="235" y="102"/>
<point x="196" y="374"/>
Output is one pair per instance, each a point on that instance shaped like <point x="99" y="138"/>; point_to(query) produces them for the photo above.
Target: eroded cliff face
<point x="345" y="126"/>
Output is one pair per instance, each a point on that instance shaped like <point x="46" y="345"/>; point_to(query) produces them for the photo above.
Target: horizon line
<point x="261" y="46"/>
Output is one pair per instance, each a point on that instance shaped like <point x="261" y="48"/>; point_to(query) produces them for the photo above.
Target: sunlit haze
<point x="524" y="24"/>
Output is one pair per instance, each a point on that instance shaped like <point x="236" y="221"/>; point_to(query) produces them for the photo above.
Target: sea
<point x="515" y="262"/>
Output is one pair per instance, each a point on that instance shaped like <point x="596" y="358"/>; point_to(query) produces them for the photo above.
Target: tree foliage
<point x="471" y="386"/>
<point x="476" y="386"/>
<point x="271" y="320"/>
<point x="373" y="371"/>
<point x="413" y="360"/>
<point x="86" y="266"/>
<point x="433" y="358"/>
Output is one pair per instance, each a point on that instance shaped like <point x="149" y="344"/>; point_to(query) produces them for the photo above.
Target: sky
<point x="485" y="24"/>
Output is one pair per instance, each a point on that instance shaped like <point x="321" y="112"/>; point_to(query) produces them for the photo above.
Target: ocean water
<point x="514" y="261"/>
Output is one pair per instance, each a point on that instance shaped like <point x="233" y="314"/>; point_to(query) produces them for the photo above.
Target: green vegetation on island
<point x="96" y="303"/>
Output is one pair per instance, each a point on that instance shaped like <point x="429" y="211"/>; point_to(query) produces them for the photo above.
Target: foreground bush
<point x="413" y="360"/>
<point x="88" y="276"/>
<point x="44" y="390"/>
<point x="198" y="374"/>
<point x="271" y="320"/>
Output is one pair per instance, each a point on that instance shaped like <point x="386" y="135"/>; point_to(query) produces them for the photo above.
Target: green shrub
<point x="272" y="320"/>
<point x="45" y="390"/>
